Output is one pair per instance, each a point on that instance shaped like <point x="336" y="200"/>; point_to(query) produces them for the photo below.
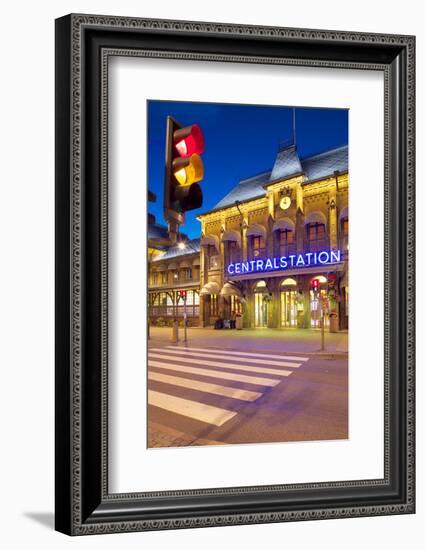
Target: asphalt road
<point x="211" y="395"/>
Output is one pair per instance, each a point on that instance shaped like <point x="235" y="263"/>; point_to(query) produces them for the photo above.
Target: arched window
<point x="285" y="242"/>
<point x="212" y="257"/>
<point x="316" y="236"/>
<point x="257" y="246"/>
<point x="288" y="282"/>
<point x="344" y="233"/>
<point x="260" y="286"/>
<point x="232" y="252"/>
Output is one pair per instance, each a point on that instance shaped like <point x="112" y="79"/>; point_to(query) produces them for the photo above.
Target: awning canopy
<point x="232" y="235"/>
<point x="230" y="290"/>
<point x="256" y="230"/>
<point x="212" y="240"/>
<point x="210" y="288"/>
<point x="316" y="217"/>
<point x="282" y="224"/>
<point x="196" y="261"/>
<point x="172" y="265"/>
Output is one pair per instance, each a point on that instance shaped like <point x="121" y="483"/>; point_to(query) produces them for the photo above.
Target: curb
<point x="324" y="354"/>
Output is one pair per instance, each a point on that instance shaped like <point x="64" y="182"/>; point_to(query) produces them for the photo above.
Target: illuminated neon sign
<point x="282" y="263"/>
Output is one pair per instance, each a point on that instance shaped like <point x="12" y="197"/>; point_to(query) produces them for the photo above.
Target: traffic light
<point x="315" y="285"/>
<point x="184" y="169"/>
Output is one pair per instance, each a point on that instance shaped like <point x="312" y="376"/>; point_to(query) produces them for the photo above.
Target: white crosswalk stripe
<point x="216" y="389"/>
<point x="185" y="407"/>
<point x="233" y="366"/>
<point x="256" y="380"/>
<point x="224" y="355"/>
<point x="247" y="354"/>
<point x="227" y="367"/>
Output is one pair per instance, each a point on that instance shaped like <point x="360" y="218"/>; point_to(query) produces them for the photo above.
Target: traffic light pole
<point x="322" y="304"/>
<point x="185" y="334"/>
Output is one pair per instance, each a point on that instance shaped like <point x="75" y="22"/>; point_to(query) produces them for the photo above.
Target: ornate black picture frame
<point x="84" y="44"/>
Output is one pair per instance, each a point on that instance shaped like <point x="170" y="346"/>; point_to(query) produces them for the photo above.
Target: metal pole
<point x="322" y="326"/>
<point x="185" y="336"/>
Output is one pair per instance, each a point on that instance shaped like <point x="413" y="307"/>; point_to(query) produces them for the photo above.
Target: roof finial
<point x="294" y="126"/>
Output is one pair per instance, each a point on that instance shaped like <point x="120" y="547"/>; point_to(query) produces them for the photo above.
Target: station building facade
<point x="261" y="246"/>
<point x="171" y="271"/>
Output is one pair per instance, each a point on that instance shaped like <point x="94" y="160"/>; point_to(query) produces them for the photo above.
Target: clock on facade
<point x="285" y="202"/>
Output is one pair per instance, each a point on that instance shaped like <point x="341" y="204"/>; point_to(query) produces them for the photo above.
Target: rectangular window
<point x="231" y="252"/>
<point x="258" y="247"/>
<point x="213" y="259"/>
<point x="344" y="240"/>
<point x="317" y="237"/>
<point x="164" y="278"/>
<point x="186" y="274"/>
<point x="286" y="243"/>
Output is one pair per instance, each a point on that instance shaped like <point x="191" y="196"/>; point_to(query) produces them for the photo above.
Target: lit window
<point x="286" y="244"/>
<point x="258" y="246"/>
<point x="231" y="251"/>
<point x="317" y="237"/>
<point x="344" y="228"/>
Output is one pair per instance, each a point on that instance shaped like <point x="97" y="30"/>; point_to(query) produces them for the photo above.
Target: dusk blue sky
<point x="240" y="141"/>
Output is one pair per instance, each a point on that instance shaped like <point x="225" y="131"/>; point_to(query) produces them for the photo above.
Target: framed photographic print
<point x="212" y="366"/>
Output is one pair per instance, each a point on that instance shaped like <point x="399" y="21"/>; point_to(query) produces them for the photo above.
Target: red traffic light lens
<point x="315" y="284"/>
<point x="189" y="141"/>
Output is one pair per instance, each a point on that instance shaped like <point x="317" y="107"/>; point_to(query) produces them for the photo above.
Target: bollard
<point x="175" y="332"/>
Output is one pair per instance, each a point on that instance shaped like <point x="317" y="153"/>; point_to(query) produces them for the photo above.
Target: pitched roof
<point x="326" y="163"/>
<point x="288" y="163"/>
<point x="157" y="231"/>
<point x="191" y="247"/>
<point x="246" y="189"/>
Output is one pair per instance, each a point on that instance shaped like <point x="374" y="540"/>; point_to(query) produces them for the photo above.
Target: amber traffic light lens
<point x="188" y="170"/>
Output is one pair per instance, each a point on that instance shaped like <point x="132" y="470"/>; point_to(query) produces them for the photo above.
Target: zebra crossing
<point x="203" y="374"/>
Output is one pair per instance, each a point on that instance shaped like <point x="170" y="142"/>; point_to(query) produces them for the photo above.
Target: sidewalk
<point x="290" y="341"/>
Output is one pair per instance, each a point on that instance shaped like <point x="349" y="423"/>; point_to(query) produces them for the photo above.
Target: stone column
<point x="201" y="312"/>
<point x="221" y="307"/>
<point x="275" y="303"/>
<point x="300" y="231"/>
<point x="203" y="267"/>
<point x="269" y="237"/>
<point x="244" y="240"/>
<point x="332" y="219"/>
<point x="306" y="298"/>
<point x="249" y="309"/>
